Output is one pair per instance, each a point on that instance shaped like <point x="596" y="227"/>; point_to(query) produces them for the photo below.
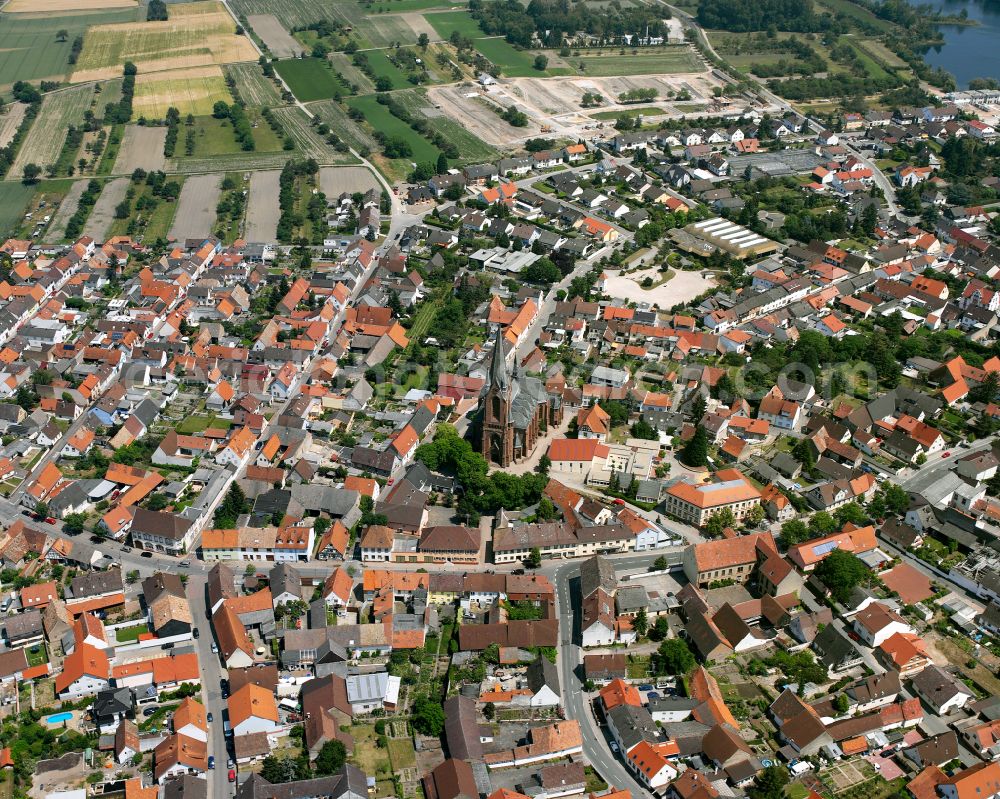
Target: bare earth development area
<point x="681" y="288"/>
<point x="196" y="206"/>
<point x="262" y="208"/>
<point x="142" y="148"/>
<point x="279" y="41"/>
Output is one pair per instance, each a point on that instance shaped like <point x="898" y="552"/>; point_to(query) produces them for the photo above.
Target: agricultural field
<point x="307" y="141"/>
<point x="190" y="91"/>
<point x="379" y="118"/>
<point x="513" y="63"/>
<point x="197" y="34"/>
<point x="309" y="78"/>
<point x="146" y="225"/>
<point x="215" y="137"/>
<point x="278" y="40"/>
<point x="64" y="6"/>
<point x="472" y="149"/>
<point x="384" y="30"/>
<point x="384" y="68"/>
<point x="142" y="148"/>
<point x="671" y="60"/>
<point x="196" y="204"/>
<point x="10" y="121"/>
<point x="13" y="201"/>
<point x="881" y="53"/>
<point x="341" y="124"/>
<point x="298" y="13"/>
<point x="336" y="180"/>
<point x="447" y="22"/>
<point x="343" y="66"/>
<point x="262" y="206"/>
<point x="402" y="6"/>
<point x="47" y="135"/>
<point x="254" y="88"/>
<point x="30" y="48"/>
<point x="68" y="206"/>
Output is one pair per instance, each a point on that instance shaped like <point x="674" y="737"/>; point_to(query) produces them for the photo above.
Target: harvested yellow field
<point x="190" y="91"/>
<point x="196" y="35"/>
<point x="50" y="6"/>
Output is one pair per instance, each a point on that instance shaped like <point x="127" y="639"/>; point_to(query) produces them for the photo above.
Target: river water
<point x="969" y="51"/>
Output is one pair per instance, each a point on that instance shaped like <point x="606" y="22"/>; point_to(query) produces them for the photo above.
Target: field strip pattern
<point x="307" y="141"/>
<point x="196" y="205"/>
<point x="252" y="86"/>
<point x="262" y="208"/>
<point x="57" y="228"/>
<point x="48" y="132"/>
<point x="103" y="214"/>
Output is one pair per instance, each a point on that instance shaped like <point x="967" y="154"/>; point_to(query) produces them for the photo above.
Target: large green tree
<point x="841" y="572"/>
<point x="695" y="452"/>
<point x="673" y="657"/>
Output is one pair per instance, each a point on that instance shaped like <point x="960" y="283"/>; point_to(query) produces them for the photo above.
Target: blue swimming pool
<point x="58" y="718"/>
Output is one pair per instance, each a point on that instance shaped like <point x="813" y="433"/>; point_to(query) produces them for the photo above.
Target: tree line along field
<point x="29" y="49"/>
<point x="197" y="34"/>
<point x="253" y="86"/>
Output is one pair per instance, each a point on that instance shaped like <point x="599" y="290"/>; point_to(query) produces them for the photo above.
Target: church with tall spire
<point x="515" y="409"/>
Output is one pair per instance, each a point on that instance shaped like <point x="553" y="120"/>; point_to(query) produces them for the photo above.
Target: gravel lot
<point x="142" y="148"/>
<point x="103" y="214"/>
<point x="262" y="208"/>
<point x="196" y="206"/>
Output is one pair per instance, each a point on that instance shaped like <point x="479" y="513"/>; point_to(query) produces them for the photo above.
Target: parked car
<point x="215" y="648"/>
<point x="211" y="759"/>
<point x="184" y="564"/>
<point x="146" y="555"/>
<point x="209" y="717"/>
<point x="148" y="711"/>
<point x="232" y="775"/>
<point x="196" y="632"/>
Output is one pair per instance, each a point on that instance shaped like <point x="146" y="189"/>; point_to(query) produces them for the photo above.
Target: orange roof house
<point x="618" y="692"/>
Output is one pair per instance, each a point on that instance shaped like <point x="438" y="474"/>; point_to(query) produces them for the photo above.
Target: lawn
<point x="200" y="423"/>
<point x="650" y="62"/>
<point x="309" y="78"/>
<point x="447" y="22"/>
<point x="401" y="753"/>
<point x="881" y="53"/>
<point x="384" y="68"/>
<point x="129" y="634"/>
<point x="369" y="758"/>
<point x="645" y="111"/>
<point x="512" y="62"/>
<point x="29" y="49"/>
<point x="638" y="667"/>
<point x="37" y="658"/>
<point x="13" y="201"/>
<point x="379" y="118"/>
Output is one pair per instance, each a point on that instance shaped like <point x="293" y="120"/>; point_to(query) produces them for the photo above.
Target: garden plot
<point x="196" y="206"/>
<point x="142" y="148"/>
<point x="10" y="122"/>
<point x="197" y="34"/>
<point x="278" y="40"/>
<point x="262" y="207"/>
<point x="48" y="132"/>
<point x="57" y="228"/>
<point x="336" y="180"/>
<point x="191" y="91"/>
<point x="103" y="214"/>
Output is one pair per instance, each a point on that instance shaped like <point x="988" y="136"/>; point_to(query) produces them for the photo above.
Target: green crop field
<point x="296" y="13"/>
<point x="643" y="111"/>
<point x="515" y="63"/>
<point x="384" y="68"/>
<point x="214" y="137"/>
<point x="309" y="78"/>
<point x="650" y="62"/>
<point x="28" y="46"/>
<point x="471" y="148"/>
<point x="447" y="22"/>
<point x="48" y="133"/>
<point x="379" y="118"/>
<point x="14" y="198"/>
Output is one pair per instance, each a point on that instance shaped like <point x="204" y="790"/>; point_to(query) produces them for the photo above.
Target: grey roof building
<point x="597" y="572"/>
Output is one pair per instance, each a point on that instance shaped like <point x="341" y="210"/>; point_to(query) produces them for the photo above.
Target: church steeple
<point x="499" y="379"/>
